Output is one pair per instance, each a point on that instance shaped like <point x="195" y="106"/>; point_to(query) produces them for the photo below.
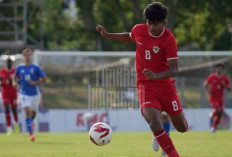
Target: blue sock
<point x="28" y="123"/>
<point x="166" y="126"/>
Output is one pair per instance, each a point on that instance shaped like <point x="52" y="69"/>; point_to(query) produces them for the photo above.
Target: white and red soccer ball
<point x="100" y="133"/>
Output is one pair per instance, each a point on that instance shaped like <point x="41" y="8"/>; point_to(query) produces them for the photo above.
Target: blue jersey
<point x="26" y="73"/>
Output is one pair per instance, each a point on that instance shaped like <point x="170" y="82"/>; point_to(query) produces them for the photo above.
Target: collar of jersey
<point x="158" y="35"/>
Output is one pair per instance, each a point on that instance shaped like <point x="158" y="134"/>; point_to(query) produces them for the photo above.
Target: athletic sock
<point x="8" y="119"/>
<point x="216" y="121"/>
<point x="166" y="126"/>
<point x="28" y="123"/>
<point x="165" y="143"/>
<point x="15" y="117"/>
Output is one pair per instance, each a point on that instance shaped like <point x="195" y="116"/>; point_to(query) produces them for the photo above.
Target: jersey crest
<point x="156" y="49"/>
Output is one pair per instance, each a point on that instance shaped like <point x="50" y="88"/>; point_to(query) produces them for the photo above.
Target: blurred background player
<point x="156" y="63"/>
<point x="30" y="76"/>
<point x="215" y="85"/>
<point x="9" y="96"/>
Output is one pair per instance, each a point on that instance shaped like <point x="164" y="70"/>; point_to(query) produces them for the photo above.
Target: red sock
<point x="8" y="120"/>
<point x="216" y="121"/>
<point x="214" y="113"/>
<point x="166" y="143"/>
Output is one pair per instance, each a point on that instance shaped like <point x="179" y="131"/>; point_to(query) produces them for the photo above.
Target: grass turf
<point x="123" y="144"/>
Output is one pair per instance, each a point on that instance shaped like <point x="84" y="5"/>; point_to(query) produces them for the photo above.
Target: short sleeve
<point x="209" y="79"/>
<point x="171" y="49"/>
<point x="41" y="72"/>
<point x="132" y="33"/>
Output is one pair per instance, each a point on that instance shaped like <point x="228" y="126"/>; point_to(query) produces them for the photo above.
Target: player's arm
<point x="124" y="37"/>
<point x="41" y="80"/>
<point x="172" y="71"/>
<point x="206" y="85"/>
<point x="15" y="81"/>
<point x="0" y="78"/>
<point x="227" y="84"/>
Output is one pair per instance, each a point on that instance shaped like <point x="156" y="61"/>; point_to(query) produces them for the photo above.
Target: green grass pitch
<point x="123" y="144"/>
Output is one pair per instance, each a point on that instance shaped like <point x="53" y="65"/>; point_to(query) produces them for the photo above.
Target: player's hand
<point x="149" y="74"/>
<point x="223" y="84"/>
<point x="32" y="83"/>
<point x="14" y="84"/>
<point x="209" y="91"/>
<point x="101" y="30"/>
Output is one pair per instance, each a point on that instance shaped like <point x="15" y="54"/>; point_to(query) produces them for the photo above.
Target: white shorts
<point x="30" y="101"/>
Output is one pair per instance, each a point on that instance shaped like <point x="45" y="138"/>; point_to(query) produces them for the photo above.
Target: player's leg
<point x="166" y="126"/>
<point x="179" y="121"/>
<point x="8" y="120"/>
<point x="211" y="116"/>
<point x="28" y="119"/>
<point x="26" y="102"/>
<point x="29" y="122"/>
<point x="217" y="118"/>
<point x="33" y="114"/>
<point x="171" y="104"/>
<point x="155" y="144"/>
<point x="153" y="118"/>
<point x="15" y="114"/>
<point x="34" y="109"/>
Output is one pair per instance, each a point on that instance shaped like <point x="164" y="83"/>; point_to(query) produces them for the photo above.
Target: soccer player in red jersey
<point x="156" y="63"/>
<point x="9" y="95"/>
<point x="215" y="85"/>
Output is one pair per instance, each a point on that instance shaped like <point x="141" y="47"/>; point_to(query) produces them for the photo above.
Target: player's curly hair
<point x="155" y="11"/>
<point x="9" y="59"/>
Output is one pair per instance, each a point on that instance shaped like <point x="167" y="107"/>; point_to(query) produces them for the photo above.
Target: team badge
<point x="156" y="49"/>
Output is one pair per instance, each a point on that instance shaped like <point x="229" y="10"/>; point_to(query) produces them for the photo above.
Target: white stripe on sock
<point x="166" y="147"/>
<point x="160" y="134"/>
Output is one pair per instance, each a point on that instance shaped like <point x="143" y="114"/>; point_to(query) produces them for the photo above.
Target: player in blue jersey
<point x="29" y="77"/>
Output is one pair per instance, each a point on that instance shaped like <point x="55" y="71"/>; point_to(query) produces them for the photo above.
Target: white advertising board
<point x="73" y="120"/>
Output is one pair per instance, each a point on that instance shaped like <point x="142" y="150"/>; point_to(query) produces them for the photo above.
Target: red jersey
<point x="6" y="80"/>
<point x="153" y="52"/>
<point x="217" y="85"/>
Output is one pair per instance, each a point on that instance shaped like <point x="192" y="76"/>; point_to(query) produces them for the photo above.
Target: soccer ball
<point x="100" y="133"/>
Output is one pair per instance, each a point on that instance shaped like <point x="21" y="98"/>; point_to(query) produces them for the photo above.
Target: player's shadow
<point x="55" y="143"/>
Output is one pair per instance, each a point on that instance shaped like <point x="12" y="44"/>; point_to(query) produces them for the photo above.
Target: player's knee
<point x="7" y="109"/>
<point x="182" y="128"/>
